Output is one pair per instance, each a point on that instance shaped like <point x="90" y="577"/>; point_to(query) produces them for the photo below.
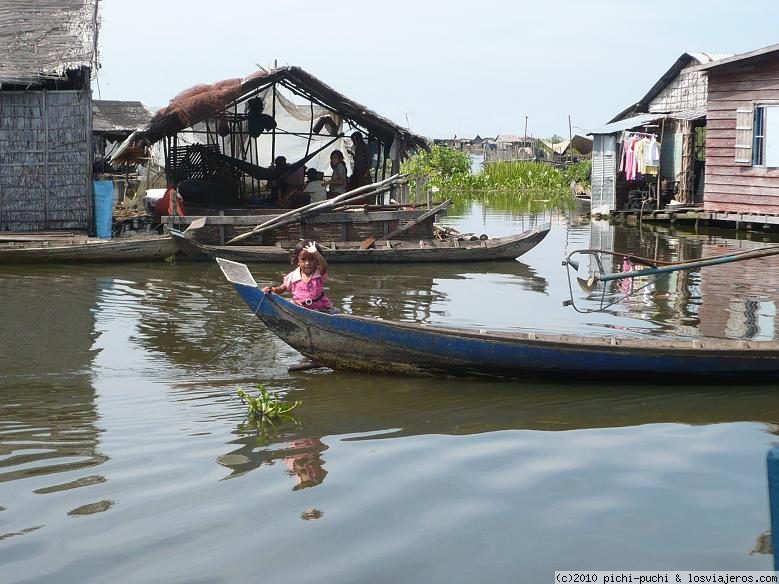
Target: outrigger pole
<point x="674" y="267"/>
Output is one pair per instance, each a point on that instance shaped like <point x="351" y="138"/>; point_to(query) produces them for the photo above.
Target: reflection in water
<point x="305" y="463"/>
<point x="114" y="362"/>
<point x="266" y="443"/>
<point x="730" y="300"/>
<point x="48" y="421"/>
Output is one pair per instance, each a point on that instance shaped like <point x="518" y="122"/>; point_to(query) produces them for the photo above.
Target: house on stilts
<point x="218" y="144"/>
<point x="46" y="115"/>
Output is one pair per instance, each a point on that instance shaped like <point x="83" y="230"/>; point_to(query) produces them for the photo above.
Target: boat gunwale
<point x="691" y="346"/>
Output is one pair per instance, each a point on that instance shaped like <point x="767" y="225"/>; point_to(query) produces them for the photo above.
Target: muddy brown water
<point x="124" y="455"/>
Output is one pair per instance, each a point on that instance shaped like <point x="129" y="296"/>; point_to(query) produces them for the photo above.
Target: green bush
<point x="441" y="166"/>
<point x="579" y="172"/>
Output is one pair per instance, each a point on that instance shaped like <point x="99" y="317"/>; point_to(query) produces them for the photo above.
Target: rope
<point x="603" y="307"/>
<point x="235" y="341"/>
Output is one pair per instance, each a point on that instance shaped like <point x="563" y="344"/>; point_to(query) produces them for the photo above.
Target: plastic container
<point x="104" y="208"/>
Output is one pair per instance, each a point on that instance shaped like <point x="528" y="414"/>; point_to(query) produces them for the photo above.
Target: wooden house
<point x="674" y="111"/>
<point x="742" y="145"/>
<point x="46" y="115"/>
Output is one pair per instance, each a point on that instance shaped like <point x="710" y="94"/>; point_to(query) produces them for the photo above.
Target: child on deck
<point x="307" y="281"/>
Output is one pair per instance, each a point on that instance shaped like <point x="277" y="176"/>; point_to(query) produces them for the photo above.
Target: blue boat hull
<point x="359" y="343"/>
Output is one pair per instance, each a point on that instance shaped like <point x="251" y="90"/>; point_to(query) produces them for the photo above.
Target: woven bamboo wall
<point x="45" y="160"/>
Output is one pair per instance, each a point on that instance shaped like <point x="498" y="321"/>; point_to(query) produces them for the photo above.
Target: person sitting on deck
<point x="314" y="188"/>
<point x="338" y="180"/>
<point x="285" y="176"/>
<point x="307" y="282"/>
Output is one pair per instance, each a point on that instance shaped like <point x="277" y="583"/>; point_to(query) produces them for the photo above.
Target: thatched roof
<point x="119" y="117"/>
<point x="204" y="101"/>
<point x="44" y="39"/>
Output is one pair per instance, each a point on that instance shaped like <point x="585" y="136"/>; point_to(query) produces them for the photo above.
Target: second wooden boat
<point x="383" y="252"/>
<point x="130" y="249"/>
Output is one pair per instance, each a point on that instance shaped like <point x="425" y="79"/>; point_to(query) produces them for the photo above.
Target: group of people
<point x="290" y="190"/>
<point x="306" y="281"/>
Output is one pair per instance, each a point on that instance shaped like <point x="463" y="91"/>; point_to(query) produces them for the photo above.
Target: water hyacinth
<point x="450" y="171"/>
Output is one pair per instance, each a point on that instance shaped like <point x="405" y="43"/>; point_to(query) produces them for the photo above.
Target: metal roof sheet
<point x="626" y="124"/>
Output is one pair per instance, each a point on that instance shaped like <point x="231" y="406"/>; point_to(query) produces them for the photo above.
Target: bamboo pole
<point x="309" y="210"/>
<point x="712" y="261"/>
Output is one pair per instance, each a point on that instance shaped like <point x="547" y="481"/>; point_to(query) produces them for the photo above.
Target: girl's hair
<point x="302" y="244"/>
<point x="340" y="156"/>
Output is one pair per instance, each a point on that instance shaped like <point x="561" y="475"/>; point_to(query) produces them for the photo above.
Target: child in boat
<point x="306" y="283"/>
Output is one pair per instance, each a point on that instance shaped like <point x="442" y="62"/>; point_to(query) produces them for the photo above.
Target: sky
<point x="440" y="68"/>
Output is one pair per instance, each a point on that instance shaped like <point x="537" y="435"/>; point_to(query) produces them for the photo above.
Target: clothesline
<point x="647" y="134"/>
<point x="640" y="155"/>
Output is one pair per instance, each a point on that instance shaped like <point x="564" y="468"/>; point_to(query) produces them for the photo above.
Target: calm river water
<point x="124" y="456"/>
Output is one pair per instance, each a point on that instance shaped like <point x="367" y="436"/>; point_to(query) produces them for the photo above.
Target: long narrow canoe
<point x="384" y="252"/>
<point x="131" y="249"/>
<point x="353" y="342"/>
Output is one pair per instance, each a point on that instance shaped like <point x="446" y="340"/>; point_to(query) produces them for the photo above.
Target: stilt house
<point x="742" y="146"/>
<point x="46" y="114"/>
<point x="673" y="112"/>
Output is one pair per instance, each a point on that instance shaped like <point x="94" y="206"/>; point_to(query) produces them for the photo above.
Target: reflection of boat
<point x="582" y="198"/>
<point x="391" y="251"/>
<point x="582" y="204"/>
<point x="354" y="342"/>
<point x="113" y="250"/>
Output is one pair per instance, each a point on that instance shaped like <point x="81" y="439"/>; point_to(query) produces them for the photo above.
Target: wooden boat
<point x="353" y="342"/>
<point x="582" y="204"/>
<point x="130" y="249"/>
<point x="384" y="252"/>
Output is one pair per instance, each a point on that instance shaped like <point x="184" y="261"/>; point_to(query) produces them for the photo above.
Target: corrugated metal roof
<point x="696" y="114"/>
<point x="626" y="124"/>
<point x="728" y="59"/>
<point x="43" y="39"/>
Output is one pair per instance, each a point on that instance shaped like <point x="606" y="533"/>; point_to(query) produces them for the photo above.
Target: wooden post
<point x="273" y="138"/>
<point x="570" y="138"/>
<point x="660" y="170"/>
<point x="525" y="140"/>
<point x="46" y="159"/>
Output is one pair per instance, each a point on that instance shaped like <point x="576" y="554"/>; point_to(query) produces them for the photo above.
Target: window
<point x="757" y="136"/>
<point x="758" y="142"/>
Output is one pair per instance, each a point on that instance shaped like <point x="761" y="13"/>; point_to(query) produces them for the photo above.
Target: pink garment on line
<point x="630" y="160"/>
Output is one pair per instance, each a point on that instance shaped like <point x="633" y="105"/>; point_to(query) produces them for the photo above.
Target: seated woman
<point x="338" y="180"/>
<point x="315" y="189"/>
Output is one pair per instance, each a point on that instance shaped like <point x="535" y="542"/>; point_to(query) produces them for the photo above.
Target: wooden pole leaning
<point x="309" y="210"/>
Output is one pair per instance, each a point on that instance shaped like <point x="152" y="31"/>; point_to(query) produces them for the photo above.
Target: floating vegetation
<point x="265" y="406"/>
<point x="540" y="184"/>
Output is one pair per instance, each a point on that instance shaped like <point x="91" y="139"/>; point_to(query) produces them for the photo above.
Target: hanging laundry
<point x="652" y="157"/>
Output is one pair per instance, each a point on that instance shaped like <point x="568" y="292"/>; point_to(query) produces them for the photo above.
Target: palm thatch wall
<point x="46" y="113"/>
<point x="45" y="160"/>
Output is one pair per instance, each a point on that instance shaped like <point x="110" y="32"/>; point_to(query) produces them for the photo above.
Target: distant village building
<point x="471" y="145"/>
<point x="45" y="115"/>
<point x="507" y="147"/>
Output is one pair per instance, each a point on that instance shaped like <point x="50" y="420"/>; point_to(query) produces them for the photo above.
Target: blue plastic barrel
<point x="104" y="208"/>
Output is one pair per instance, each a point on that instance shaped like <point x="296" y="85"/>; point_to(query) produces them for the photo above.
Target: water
<point x="124" y="455"/>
